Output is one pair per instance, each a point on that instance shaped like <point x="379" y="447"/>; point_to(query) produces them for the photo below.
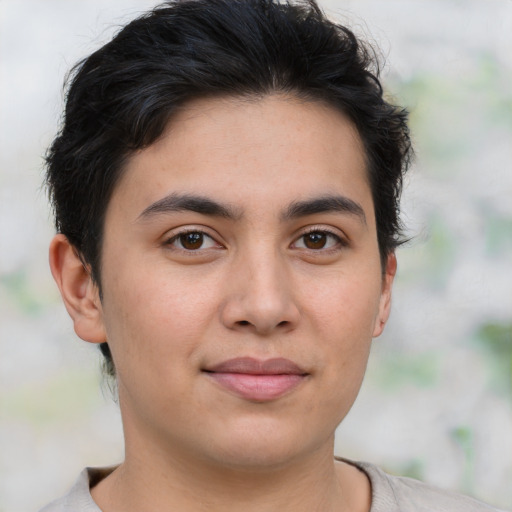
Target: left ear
<point x="385" y="297"/>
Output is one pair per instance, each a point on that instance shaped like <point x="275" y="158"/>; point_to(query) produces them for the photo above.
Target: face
<point x="242" y="283"/>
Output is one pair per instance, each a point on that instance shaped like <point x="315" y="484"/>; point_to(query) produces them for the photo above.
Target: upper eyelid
<point x="315" y="229"/>
<point x="183" y="230"/>
<point x="322" y="229"/>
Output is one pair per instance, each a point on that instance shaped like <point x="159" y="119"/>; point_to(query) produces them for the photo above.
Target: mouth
<point x="256" y="380"/>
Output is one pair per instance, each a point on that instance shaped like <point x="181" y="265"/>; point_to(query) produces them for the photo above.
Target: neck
<point x="160" y="482"/>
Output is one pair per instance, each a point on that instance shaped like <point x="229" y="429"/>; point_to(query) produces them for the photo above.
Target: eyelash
<point x="340" y="242"/>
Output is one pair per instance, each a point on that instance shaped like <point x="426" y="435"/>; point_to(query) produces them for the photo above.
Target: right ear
<point x="78" y="290"/>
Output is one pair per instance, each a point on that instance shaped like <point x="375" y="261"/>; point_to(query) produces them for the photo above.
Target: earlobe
<point x="79" y="293"/>
<point x="385" y="297"/>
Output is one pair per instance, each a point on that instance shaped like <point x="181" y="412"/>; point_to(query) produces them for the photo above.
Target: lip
<point x="257" y="380"/>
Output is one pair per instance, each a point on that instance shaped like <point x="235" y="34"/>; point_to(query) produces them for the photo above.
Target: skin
<point x="254" y="284"/>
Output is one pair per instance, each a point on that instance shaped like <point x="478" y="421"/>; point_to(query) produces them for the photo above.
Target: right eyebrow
<point x="188" y="202"/>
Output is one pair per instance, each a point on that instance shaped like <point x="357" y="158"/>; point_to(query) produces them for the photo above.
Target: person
<point x="226" y="189"/>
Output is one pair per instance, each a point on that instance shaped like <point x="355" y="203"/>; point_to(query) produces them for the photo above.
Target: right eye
<point x="192" y="241"/>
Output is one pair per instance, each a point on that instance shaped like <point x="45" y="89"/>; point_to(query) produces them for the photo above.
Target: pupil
<point x="315" y="240"/>
<point x="191" y="240"/>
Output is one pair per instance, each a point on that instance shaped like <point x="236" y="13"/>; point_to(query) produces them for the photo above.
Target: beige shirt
<point x="389" y="494"/>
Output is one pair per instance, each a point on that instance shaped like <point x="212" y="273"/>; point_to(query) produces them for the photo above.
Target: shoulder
<point x="400" y="494"/>
<point x="79" y="498"/>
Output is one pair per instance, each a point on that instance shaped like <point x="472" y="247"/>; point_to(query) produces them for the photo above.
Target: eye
<point x="192" y="241"/>
<point x="318" y="240"/>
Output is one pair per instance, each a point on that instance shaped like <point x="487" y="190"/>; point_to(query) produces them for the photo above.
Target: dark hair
<point x="121" y="98"/>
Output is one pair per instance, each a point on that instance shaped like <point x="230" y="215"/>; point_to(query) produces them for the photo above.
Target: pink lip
<point x="257" y="380"/>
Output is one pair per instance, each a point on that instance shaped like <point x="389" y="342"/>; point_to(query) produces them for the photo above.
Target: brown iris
<point x="192" y="240"/>
<point x="315" y="240"/>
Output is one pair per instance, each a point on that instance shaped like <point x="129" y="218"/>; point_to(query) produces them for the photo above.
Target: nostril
<point x="283" y="323"/>
<point x="243" y="322"/>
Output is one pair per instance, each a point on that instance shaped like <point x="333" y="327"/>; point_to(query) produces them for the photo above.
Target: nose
<point x="260" y="297"/>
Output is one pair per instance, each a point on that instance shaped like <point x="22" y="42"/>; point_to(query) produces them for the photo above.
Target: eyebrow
<point x="188" y="202"/>
<point x="324" y="204"/>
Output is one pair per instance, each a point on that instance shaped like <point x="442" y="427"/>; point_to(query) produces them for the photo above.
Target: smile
<point x="255" y="380"/>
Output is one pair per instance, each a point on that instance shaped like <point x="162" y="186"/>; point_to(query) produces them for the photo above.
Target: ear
<point x="385" y="297"/>
<point x="78" y="291"/>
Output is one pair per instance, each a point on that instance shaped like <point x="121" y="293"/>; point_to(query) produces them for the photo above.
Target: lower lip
<point x="258" y="388"/>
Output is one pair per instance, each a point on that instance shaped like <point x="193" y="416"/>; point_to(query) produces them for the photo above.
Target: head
<point x="122" y="98"/>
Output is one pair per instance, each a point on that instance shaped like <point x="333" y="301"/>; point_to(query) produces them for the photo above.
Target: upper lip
<point x="252" y="366"/>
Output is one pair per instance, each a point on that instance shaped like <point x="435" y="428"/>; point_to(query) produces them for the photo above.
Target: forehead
<point x="249" y="151"/>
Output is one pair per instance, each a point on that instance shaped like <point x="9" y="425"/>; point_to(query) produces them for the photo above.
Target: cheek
<point x="148" y="317"/>
<point x="344" y="373"/>
<point x="345" y="311"/>
<point x="345" y="305"/>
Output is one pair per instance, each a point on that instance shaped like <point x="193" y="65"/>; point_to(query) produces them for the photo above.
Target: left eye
<point x="316" y="240"/>
<point x="192" y="241"/>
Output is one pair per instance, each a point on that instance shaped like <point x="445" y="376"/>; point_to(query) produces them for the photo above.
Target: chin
<point x="265" y="446"/>
<point x="255" y="459"/>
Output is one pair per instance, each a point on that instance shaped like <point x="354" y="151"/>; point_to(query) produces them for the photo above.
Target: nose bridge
<point x="265" y="272"/>
<point x="261" y="294"/>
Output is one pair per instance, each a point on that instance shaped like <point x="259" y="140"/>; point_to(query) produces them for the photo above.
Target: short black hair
<point x="121" y="98"/>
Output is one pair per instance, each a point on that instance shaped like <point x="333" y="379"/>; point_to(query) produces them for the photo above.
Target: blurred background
<point x="437" y="400"/>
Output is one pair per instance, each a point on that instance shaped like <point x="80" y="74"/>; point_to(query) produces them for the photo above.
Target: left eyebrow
<point x="324" y="204"/>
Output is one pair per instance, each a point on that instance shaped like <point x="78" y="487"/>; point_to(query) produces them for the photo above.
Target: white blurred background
<point x="437" y="401"/>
